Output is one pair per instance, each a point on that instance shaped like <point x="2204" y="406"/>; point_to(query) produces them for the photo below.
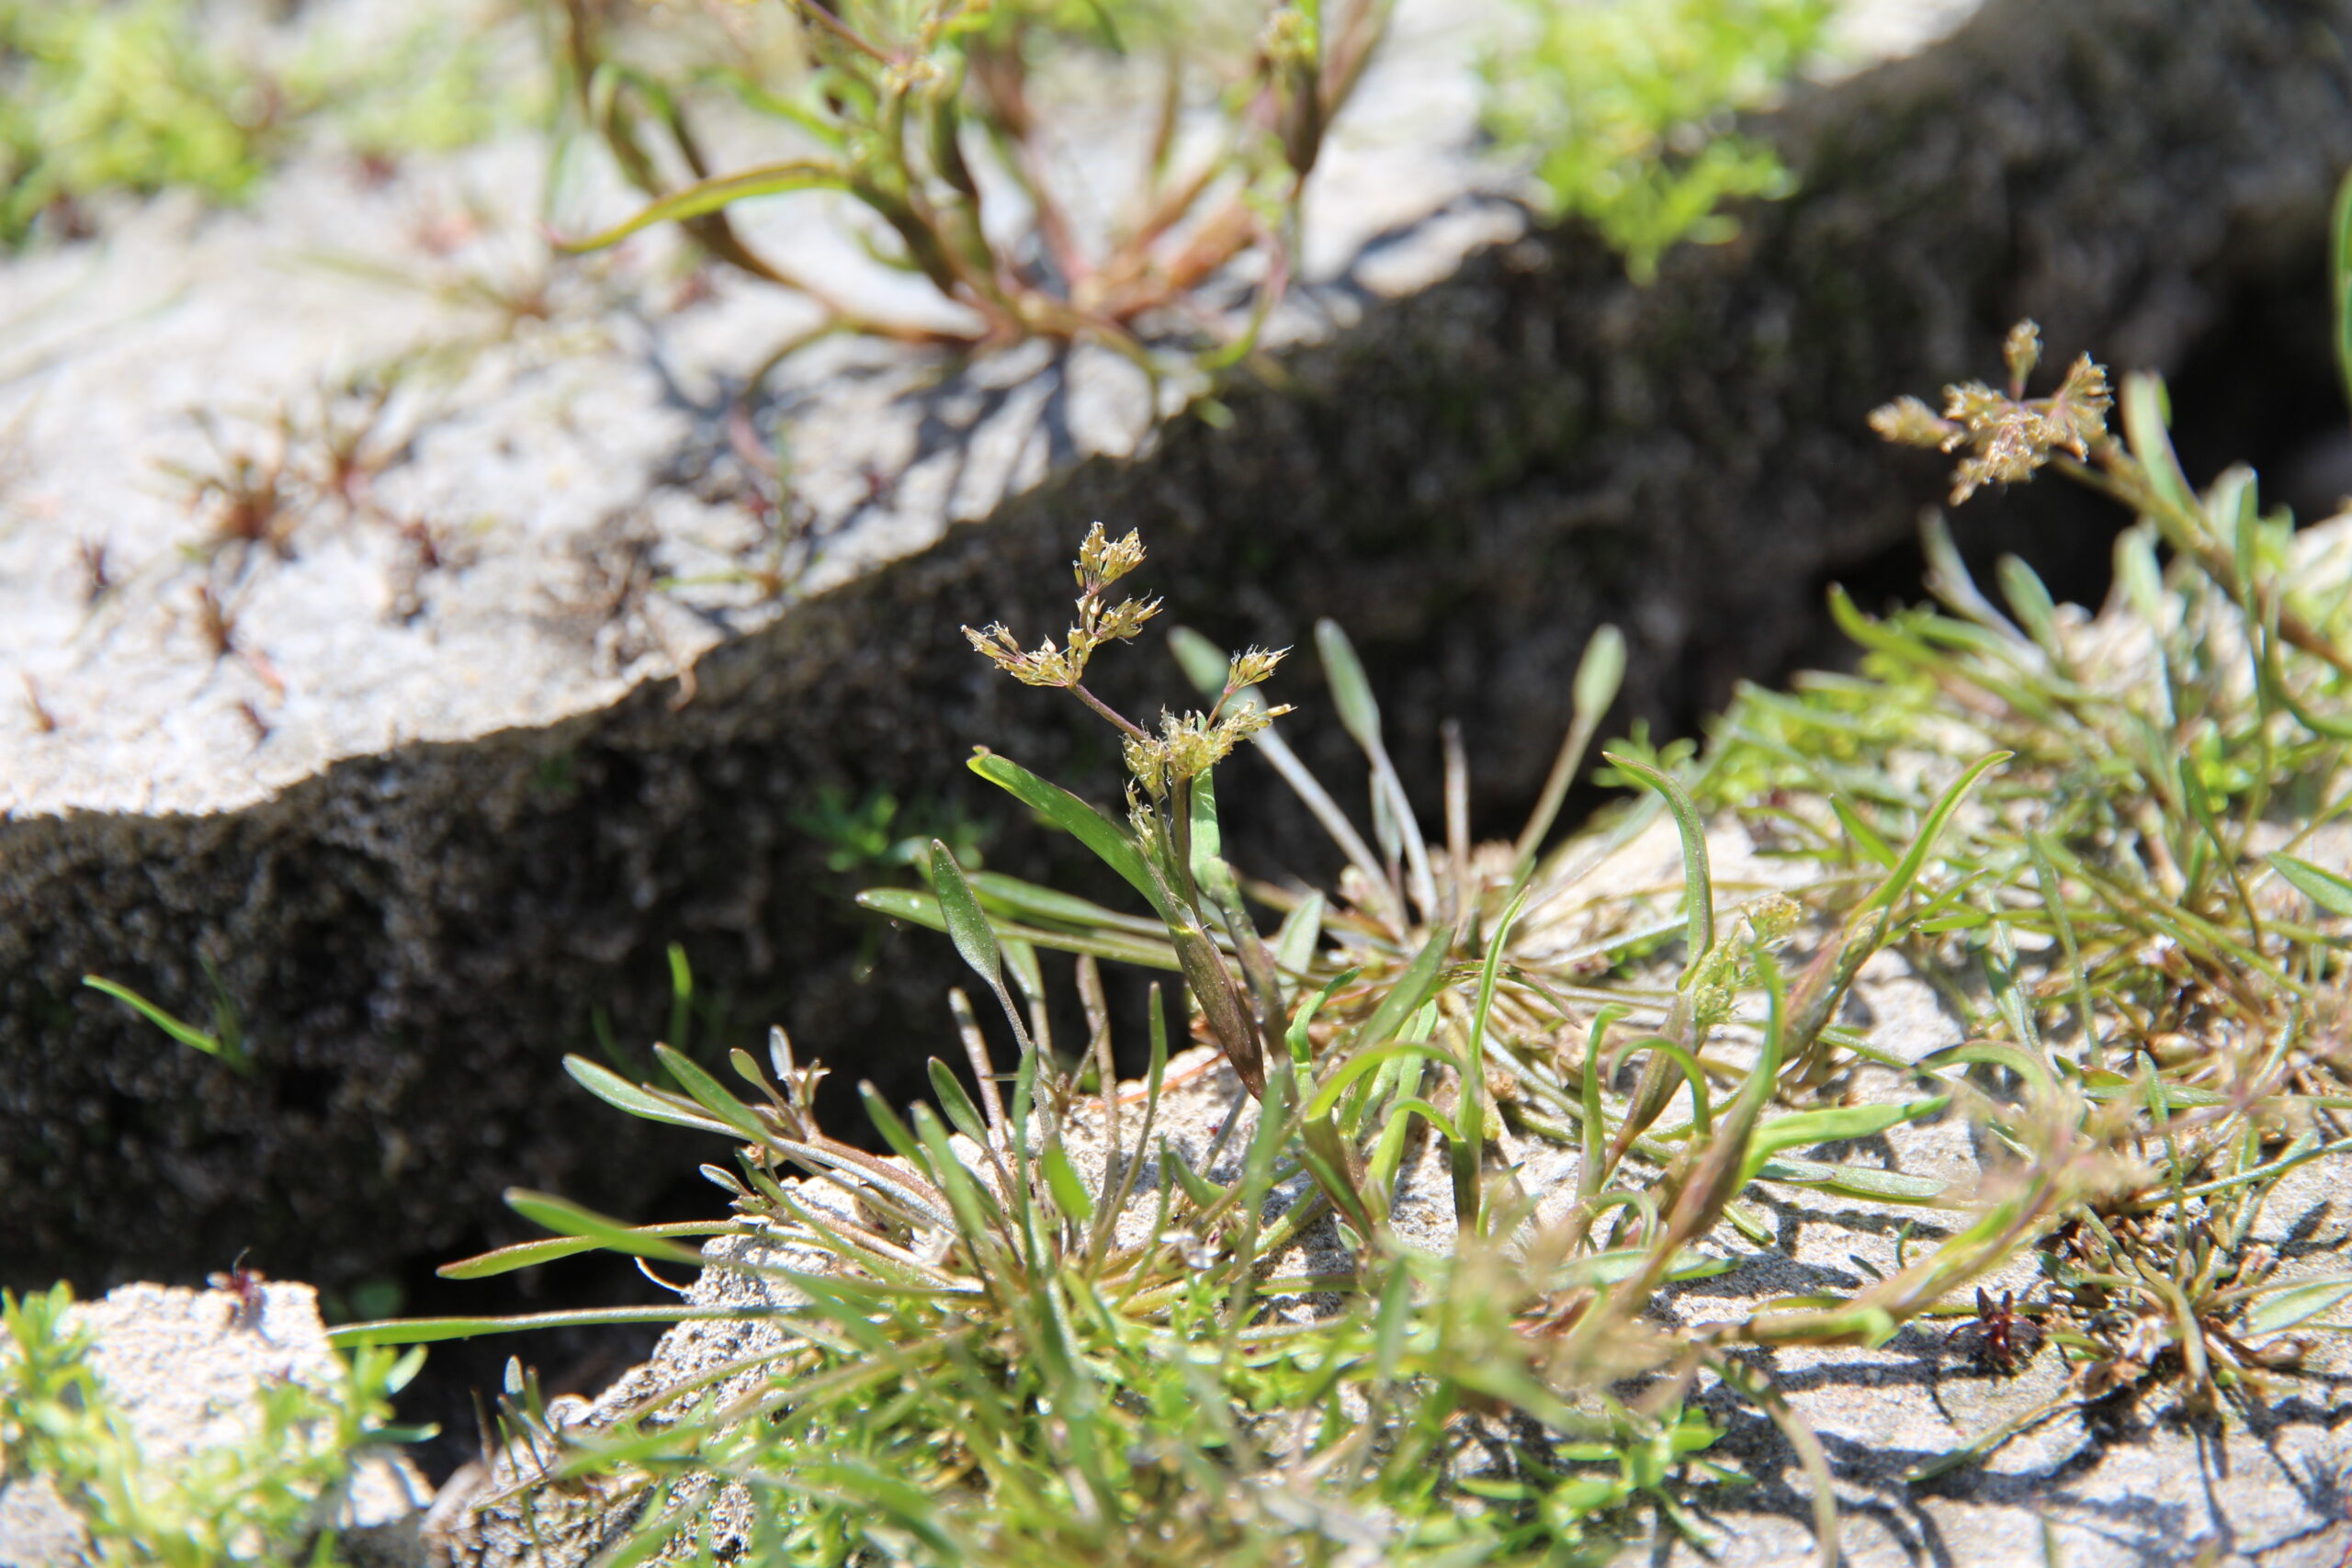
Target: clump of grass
<point x="266" y="1498"/>
<point x="941" y="118"/>
<point x="1625" y="109"/>
<point x="1033" y="1334"/>
<point x="139" y="96"/>
<point x="928" y="118"/>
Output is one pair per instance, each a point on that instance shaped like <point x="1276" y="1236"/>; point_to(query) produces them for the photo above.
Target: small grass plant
<point x="2094" y="835"/>
<point x="934" y="119"/>
<point x="138" y="97"/>
<point x="952" y="125"/>
<point x="260" y="1499"/>
<point x="1626" y="108"/>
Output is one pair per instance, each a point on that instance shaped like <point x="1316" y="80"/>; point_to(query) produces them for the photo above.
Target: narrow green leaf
<point x="1111" y="843"/>
<point x="185" y="1033"/>
<point x="922" y="908"/>
<point x="1069" y="1193"/>
<point x="1208" y="839"/>
<point x="1203" y="662"/>
<point x="968" y="925"/>
<point x="961" y="1112"/>
<point x="2323" y="886"/>
<point x="1837" y="1124"/>
<point x="567" y="1218"/>
<point x="1949" y="579"/>
<point x="433" y="1330"/>
<point x="2339" y="277"/>
<point x="1198" y="1187"/>
<point x="524" y="1253"/>
<point x="1021" y="957"/>
<point x="1915" y="860"/>
<point x="681" y="994"/>
<point x="2295" y="1305"/>
<point x="1005" y="894"/>
<point x="1698" y="886"/>
<point x="712" y="1095"/>
<point x="2146" y="414"/>
<point x="1414" y="987"/>
<point x="1600" y="674"/>
<point x="895" y="1132"/>
<point x="1302" y="928"/>
<point x="1328" y="1095"/>
<point x="2142" y="579"/>
<point x="1865" y="839"/>
<point x="975" y="1208"/>
<point x="622" y="1095"/>
<point x="1351" y="692"/>
<point x="2030" y="600"/>
<point x="1609" y="1268"/>
<point x="710" y="195"/>
<point x="1853" y="1180"/>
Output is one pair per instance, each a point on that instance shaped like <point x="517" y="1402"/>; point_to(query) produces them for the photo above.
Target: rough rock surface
<point x="186" y="1368"/>
<point x="1469" y="477"/>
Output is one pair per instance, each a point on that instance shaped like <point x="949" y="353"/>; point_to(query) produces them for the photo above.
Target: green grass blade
<point x="524" y="1253"/>
<point x="2322" y="886"/>
<point x="568" y="1219"/>
<point x="1203" y="661"/>
<point x="1601" y="674"/>
<point x="961" y="1114"/>
<point x="1412" y="989"/>
<point x="2297" y="1304"/>
<point x="922" y="908"/>
<point x="432" y="1330"/>
<point x="622" y="1095"/>
<point x="1351" y="692"/>
<point x="1111" y="843"/>
<point x="1302" y="928"/>
<point x="1002" y="894"/>
<point x="712" y="1095"/>
<point x="895" y="1132"/>
<point x="1698" y="886"/>
<point x="2339" y="278"/>
<point x="1915" y="859"/>
<point x="185" y="1033"/>
<point x="710" y="195"/>
<point x="968" y="924"/>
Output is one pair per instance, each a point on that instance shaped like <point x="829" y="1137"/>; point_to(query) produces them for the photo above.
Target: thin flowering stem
<point x="1110" y="713"/>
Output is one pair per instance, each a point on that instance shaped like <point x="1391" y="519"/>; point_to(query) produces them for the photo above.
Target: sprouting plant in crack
<point x="246" y="497"/>
<point x="1624" y="110"/>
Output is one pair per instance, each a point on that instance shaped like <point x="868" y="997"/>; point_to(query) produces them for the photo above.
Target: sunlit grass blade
<point x="1698" y="886"/>
<point x="2322" y="886"/>
<point x="1120" y="947"/>
<point x="524" y="1253"/>
<point x="568" y="1219"/>
<point x="622" y="1095"/>
<point x="225" y="1045"/>
<point x="710" y="195"/>
<point x="432" y="1330"/>
<point x="1111" y="843"/>
<point x="1600" y="674"/>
